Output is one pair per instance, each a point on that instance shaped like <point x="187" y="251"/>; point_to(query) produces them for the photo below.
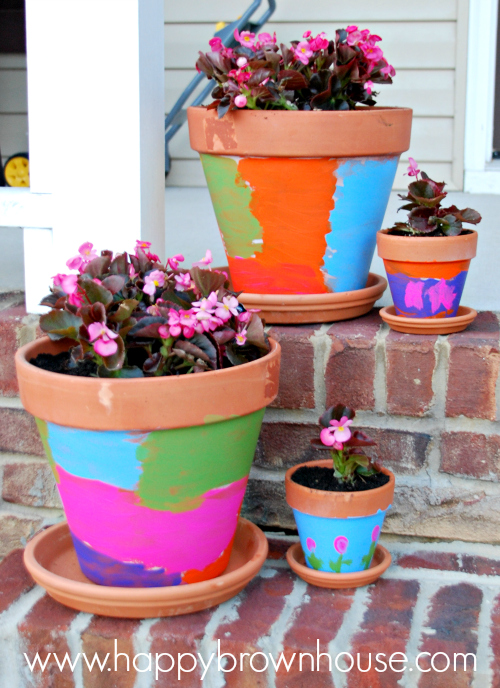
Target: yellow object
<point x="220" y="25"/>
<point x="17" y="171"/>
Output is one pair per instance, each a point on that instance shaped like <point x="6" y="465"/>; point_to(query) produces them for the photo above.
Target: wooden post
<point x="96" y="112"/>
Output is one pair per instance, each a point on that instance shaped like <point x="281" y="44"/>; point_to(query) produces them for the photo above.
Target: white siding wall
<point x="426" y="41"/>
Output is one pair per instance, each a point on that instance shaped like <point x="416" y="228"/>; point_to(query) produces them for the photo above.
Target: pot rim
<point x="337" y="504"/>
<point x="447" y="249"/>
<point x="370" y="132"/>
<point x="105" y="403"/>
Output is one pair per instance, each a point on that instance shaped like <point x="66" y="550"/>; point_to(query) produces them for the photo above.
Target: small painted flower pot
<point x="338" y="531"/>
<point x="299" y="196"/>
<point x="426" y="274"/>
<point x="151" y="471"/>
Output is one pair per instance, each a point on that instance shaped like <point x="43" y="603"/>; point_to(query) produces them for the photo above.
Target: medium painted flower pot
<point x="152" y="471"/>
<point x="338" y="531"/>
<point x="426" y="274"/>
<point x="299" y="196"/>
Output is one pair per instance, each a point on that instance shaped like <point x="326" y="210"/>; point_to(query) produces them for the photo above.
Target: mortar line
<point x="440" y="377"/>
<point x="142" y="642"/>
<point x="380" y="378"/>
<point x="11" y="402"/>
<point x="75" y="644"/>
<point x="497" y="387"/>
<point x="484" y="654"/>
<point x="322" y="345"/>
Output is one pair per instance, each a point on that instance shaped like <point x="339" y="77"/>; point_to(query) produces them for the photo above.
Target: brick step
<point x="435" y="598"/>
<point x="431" y="403"/>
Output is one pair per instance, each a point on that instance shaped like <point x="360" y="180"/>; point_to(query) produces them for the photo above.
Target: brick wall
<point x="431" y="403"/>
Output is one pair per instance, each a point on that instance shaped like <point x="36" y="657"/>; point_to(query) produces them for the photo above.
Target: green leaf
<point x="114" y="283"/>
<point x="125" y="310"/>
<point x="148" y="327"/>
<point x="60" y="324"/>
<point x="115" y="362"/>
<point x="256" y="334"/>
<point x="98" y="266"/>
<point x="130" y="372"/>
<point x="207" y="281"/>
<point x="94" y="292"/>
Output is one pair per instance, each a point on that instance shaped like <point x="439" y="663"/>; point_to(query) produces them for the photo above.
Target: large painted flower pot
<point x="151" y="471"/>
<point x="338" y="531"/>
<point x="299" y="196"/>
<point x="426" y="274"/>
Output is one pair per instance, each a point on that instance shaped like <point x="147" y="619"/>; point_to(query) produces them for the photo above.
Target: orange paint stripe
<point x="292" y="200"/>
<point x="430" y="270"/>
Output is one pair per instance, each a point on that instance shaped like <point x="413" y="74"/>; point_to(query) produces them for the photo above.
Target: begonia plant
<point x="132" y="316"/>
<point x="426" y="216"/>
<point x="315" y="73"/>
<point x="345" y="444"/>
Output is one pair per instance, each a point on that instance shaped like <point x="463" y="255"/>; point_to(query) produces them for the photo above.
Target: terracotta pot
<point x="151" y="472"/>
<point x="426" y="274"/>
<point x="338" y="531"/>
<point x="300" y="196"/>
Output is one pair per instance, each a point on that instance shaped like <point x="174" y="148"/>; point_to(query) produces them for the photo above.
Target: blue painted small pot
<point x="338" y="531"/>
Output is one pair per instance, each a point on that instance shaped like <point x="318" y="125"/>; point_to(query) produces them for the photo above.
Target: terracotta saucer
<point x="51" y="559"/>
<point x="287" y="309"/>
<point x="322" y="579"/>
<point x="428" y="325"/>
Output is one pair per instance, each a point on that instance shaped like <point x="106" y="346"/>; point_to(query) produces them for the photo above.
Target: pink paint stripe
<point x="113" y="522"/>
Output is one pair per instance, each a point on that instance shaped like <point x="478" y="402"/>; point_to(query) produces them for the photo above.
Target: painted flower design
<point x="441" y="294"/>
<point x="341" y="543"/>
<point x="102" y="338"/>
<point x="375" y="533"/>
<point x="413" y="295"/>
<point x="310" y="544"/>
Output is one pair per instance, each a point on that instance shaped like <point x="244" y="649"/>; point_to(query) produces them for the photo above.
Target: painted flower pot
<point x="151" y="471"/>
<point x="299" y="196"/>
<point x="338" y="531"/>
<point x="426" y="274"/>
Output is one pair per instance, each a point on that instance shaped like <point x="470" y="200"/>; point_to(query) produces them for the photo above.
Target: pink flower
<point x="372" y="52"/>
<point x="341" y="543"/>
<point x="216" y="44"/>
<point x="181" y="321"/>
<point x="241" y="337"/>
<point x="228" y="307"/>
<point x="388" y="70"/>
<point x="86" y="253"/>
<point x="175" y="260"/>
<point x="320" y="42"/>
<point x="245" y="38"/>
<point x="368" y="87"/>
<point x="341" y="429"/>
<point x="413" y="170"/>
<point x="266" y="38"/>
<point x="183" y="281"/>
<point x="144" y="246"/>
<point x="132" y="273"/>
<point x="242" y="62"/>
<point x="155" y="279"/>
<point x="246" y="316"/>
<point x="351" y="29"/>
<point x="327" y="436"/>
<point x="69" y="285"/>
<point x="103" y="337"/>
<point x="307" y="34"/>
<point x="240" y="101"/>
<point x="204" y="261"/>
<point x="375" y="533"/>
<point x="303" y="52"/>
<point x="310" y="544"/>
<point x="413" y="295"/>
<point x="164" y="332"/>
<point x="205" y="307"/>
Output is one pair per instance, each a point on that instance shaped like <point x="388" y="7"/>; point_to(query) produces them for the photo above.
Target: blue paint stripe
<point x="108" y="456"/>
<point x="361" y="197"/>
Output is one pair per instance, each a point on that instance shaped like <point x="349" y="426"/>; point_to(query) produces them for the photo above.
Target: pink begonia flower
<point x="175" y="260"/>
<point x="441" y="294"/>
<point x="372" y="52"/>
<point x="144" y="246"/>
<point x="241" y="337"/>
<point x="310" y="544"/>
<point x="102" y="337"/>
<point x="86" y="253"/>
<point x="205" y="307"/>
<point x="303" y="52"/>
<point x="132" y="273"/>
<point x="181" y="321"/>
<point x="240" y="101"/>
<point x="307" y="34"/>
<point x="387" y="71"/>
<point x="341" y="429"/>
<point x="164" y="332"/>
<point x="240" y="75"/>
<point x="373" y="38"/>
<point x="155" y="279"/>
<point x="351" y="28"/>
<point x="413" y="170"/>
<point x="320" y="42"/>
<point x="327" y="436"/>
<point x="266" y="38"/>
<point x="69" y="285"/>
<point x="246" y="316"/>
<point x="183" y="282"/>
<point x="216" y="44"/>
<point x="413" y="295"/>
<point x="204" y="261"/>
<point x="341" y="543"/>
<point x="242" y="62"/>
<point x="245" y="38"/>
<point x="153" y="310"/>
<point x="228" y="307"/>
<point x="375" y="533"/>
<point x="368" y="87"/>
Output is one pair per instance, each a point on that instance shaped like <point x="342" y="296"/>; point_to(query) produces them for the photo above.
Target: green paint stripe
<point x="191" y="461"/>
<point x="44" y="436"/>
<point x="231" y="198"/>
